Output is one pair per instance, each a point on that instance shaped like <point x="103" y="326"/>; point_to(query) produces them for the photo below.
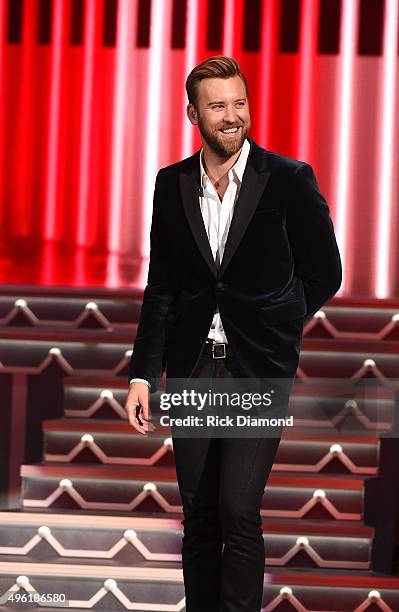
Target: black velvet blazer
<point x="280" y="265"/>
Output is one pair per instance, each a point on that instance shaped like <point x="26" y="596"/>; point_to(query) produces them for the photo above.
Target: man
<point x="243" y="254"/>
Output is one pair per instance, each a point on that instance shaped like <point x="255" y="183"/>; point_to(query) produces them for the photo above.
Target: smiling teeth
<point x="230" y="131"/>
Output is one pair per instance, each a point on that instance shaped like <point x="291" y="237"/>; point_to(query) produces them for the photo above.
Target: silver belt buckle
<point x="219" y="345"/>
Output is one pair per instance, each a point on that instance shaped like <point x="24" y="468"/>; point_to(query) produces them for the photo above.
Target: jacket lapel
<point x="253" y="184"/>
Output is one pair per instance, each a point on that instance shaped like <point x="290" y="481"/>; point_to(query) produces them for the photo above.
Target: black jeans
<point x="221" y="483"/>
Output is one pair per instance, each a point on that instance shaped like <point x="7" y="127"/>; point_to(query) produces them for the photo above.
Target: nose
<point x="230" y="114"/>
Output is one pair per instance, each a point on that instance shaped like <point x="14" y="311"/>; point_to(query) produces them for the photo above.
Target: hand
<point x="138" y="407"/>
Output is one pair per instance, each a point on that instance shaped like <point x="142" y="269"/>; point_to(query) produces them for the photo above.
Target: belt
<point x="217" y="350"/>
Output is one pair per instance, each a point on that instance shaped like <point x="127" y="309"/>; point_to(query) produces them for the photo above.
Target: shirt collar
<point x="238" y="168"/>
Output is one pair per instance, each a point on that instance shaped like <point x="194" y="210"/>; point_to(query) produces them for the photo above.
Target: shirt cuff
<point x="140" y="380"/>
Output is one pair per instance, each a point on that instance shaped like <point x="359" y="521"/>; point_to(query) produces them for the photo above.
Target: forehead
<point x="221" y="89"/>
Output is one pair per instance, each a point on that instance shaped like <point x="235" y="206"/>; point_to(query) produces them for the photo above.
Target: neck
<point x="215" y="166"/>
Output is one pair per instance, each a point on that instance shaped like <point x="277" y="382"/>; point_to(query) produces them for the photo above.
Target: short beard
<point x="223" y="149"/>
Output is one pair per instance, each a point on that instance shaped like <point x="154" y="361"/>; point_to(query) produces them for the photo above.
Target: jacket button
<point x="220" y="285"/>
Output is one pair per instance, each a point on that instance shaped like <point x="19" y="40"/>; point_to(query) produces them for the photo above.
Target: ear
<point x="192" y="114"/>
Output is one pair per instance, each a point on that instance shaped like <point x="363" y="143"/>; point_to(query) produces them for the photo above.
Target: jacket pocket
<point x="268" y="214"/>
<point x="274" y="314"/>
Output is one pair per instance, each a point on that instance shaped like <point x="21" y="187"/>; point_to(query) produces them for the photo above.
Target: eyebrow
<point x="222" y="101"/>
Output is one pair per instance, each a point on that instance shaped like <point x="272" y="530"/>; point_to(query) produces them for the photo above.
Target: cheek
<point x="211" y="124"/>
<point x="244" y="115"/>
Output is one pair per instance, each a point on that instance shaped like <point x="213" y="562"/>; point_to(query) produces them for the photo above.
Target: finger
<point x="145" y="422"/>
<point x="135" y="423"/>
<point x="138" y="421"/>
<point x="134" y="417"/>
<point x="145" y="427"/>
<point x="145" y="412"/>
<point x="149" y="425"/>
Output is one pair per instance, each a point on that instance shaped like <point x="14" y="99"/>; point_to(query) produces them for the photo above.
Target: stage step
<point x="70" y="311"/>
<point x="161" y="589"/>
<point x="155" y="489"/>
<point x="95" y="353"/>
<point x="135" y="540"/>
<point x="354" y="322"/>
<point x="325" y="408"/>
<point x="99" y="398"/>
<point x="30" y="349"/>
<point x="118" y="443"/>
<point x="351" y="360"/>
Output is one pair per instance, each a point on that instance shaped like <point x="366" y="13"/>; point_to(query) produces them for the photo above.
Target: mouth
<point x="230" y="131"/>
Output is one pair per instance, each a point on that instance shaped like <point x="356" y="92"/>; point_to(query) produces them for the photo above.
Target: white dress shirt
<point x="217" y="215"/>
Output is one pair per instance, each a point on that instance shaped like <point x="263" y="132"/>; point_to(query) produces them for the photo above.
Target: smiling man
<point x="222" y="117"/>
<point x="243" y="253"/>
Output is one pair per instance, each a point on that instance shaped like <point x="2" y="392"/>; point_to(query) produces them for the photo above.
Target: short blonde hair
<point x="215" y="67"/>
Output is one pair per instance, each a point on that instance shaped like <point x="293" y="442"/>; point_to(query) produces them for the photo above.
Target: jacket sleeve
<point x="148" y="360"/>
<point x="312" y="239"/>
